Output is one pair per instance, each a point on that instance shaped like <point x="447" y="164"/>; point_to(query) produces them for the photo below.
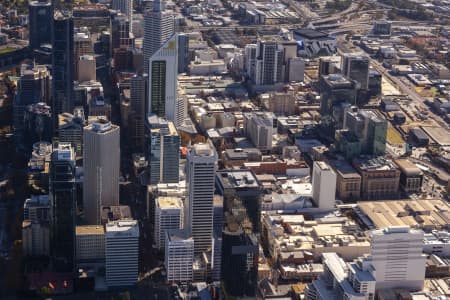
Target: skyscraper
<point x="168" y="215"/>
<point x="121" y="252"/>
<point x="183" y="52"/>
<point x="356" y="67"/>
<point x="63" y="207"/>
<point x="265" y="62"/>
<point x="138" y="97"/>
<point x="101" y="162"/>
<point x="32" y="87"/>
<point x="62" y="65"/>
<point x="125" y="7"/>
<point x="179" y="256"/>
<point x="159" y="26"/>
<point x="40" y="21"/>
<point x="162" y="78"/>
<point x="200" y="177"/>
<point x="164" y="153"/>
<point x="335" y="89"/>
<point x="396" y="258"/>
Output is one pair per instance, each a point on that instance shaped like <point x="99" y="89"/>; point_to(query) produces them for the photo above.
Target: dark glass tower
<point x="40" y="21"/>
<point x="62" y="65"/>
<point x="158" y="88"/>
<point x="63" y="208"/>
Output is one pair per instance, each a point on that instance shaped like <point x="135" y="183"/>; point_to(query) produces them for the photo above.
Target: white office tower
<point x="337" y="283"/>
<point x="200" y="173"/>
<point x="323" y="185"/>
<point x="162" y="78"/>
<point x="396" y="258"/>
<point x="125" y="7"/>
<point x="86" y="68"/>
<point x="159" y="26"/>
<point x="101" y="162"/>
<point x="121" y="253"/>
<point x="179" y="256"/>
<point x="168" y="215"/>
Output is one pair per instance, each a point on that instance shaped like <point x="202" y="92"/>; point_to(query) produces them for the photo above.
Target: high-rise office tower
<point x="71" y="129"/>
<point x="370" y="129"/>
<point x="323" y="185"/>
<point x="121" y="253"/>
<point x="168" y="215"/>
<point x="125" y="7"/>
<point x="121" y="36"/>
<point x="138" y="96"/>
<point x="63" y="207"/>
<point x="356" y="67"/>
<point x="159" y="26"/>
<point x="179" y="256"/>
<point x="334" y="90"/>
<point x="183" y="52"/>
<point x="239" y="261"/>
<point x="33" y="86"/>
<point x="38" y="124"/>
<point x="162" y="79"/>
<point x="200" y="176"/>
<point x="164" y="154"/>
<point x="40" y="21"/>
<point x="264" y="62"/>
<point x="86" y="68"/>
<point x="101" y="162"/>
<point x="62" y="65"/>
<point x="82" y="46"/>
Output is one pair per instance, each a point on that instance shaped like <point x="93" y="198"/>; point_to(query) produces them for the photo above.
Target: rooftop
<point x="128" y="227"/>
<point x="374" y="164"/>
<point x="89" y="230"/>
<point x="426" y="214"/>
<point x="408" y="167"/>
<point x="237" y="179"/>
<point x="169" y="203"/>
<point x="179" y="235"/>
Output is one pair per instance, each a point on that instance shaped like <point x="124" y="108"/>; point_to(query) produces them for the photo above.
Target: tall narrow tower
<point x="159" y="26"/>
<point x="101" y="162"/>
<point x="63" y="208"/>
<point x="200" y="177"/>
<point x="162" y="92"/>
<point x="62" y="65"/>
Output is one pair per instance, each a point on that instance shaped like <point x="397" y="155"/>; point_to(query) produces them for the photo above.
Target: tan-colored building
<point x="425" y="214"/>
<point x="90" y="243"/>
<point x="380" y="178"/>
<point x="279" y="103"/>
<point x="348" y="181"/>
<point x="411" y="176"/>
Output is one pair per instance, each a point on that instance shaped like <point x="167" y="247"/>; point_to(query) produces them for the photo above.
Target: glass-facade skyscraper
<point x="62" y="65"/>
<point x="63" y="208"/>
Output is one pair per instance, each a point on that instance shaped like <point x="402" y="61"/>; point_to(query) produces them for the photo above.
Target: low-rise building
<point x="411" y="176"/>
<point x="379" y="178"/>
<point x="286" y="235"/>
<point x="348" y="182"/>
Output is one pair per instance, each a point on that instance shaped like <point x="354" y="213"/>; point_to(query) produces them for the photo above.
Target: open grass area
<point x="431" y="92"/>
<point x="393" y="136"/>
